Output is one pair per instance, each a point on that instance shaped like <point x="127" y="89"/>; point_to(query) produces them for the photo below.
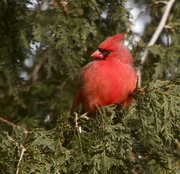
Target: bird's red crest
<point x="112" y="42"/>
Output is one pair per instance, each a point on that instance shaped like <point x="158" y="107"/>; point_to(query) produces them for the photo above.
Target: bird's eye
<point x="108" y="51"/>
<point x="104" y="51"/>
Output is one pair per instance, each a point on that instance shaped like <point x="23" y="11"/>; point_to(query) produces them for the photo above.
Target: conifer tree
<point x="43" y="46"/>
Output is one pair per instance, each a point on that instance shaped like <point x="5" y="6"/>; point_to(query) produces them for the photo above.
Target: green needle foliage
<point x="43" y="46"/>
<point x="143" y="138"/>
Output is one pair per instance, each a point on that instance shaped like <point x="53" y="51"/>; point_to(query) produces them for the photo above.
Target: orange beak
<point x="97" y="54"/>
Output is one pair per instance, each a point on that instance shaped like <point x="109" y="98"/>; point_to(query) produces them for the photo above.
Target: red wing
<point x="76" y="102"/>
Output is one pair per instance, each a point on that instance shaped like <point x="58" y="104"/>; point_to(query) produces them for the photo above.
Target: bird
<point x="109" y="79"/>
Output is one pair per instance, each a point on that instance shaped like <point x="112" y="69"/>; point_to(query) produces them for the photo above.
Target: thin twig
<point x="40" y="5"/>
<point x="6" y="2"/>
<point x="9" y="123"/>
<point x="144" y="10"/>
<point x="34" y="75"/>
<point x="55" y="164"/>
<point x="54" y="3"/>
<point x="85" y="116"/>
<point x="23" y="148"/>
<point x="13" y="125"/>
<point x="20" y="159"/>
<point x="98" y="109"/>
<point x="76" y="121"/>
<point x="155" y="37"/>
<point x="64" y="4"/>
<point x="169" y="27"/>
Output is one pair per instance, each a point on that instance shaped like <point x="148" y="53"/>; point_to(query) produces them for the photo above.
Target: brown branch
<point x="98" y="109"/>
<point x="40" y="6"/>
<point x="169" y="27"/>
<point x="13" y="125"/>
<point x="76" y="121"/>
<point x="55" y="164"/>
<point x="6" y="3"/>
<point x="54" y="3"/>
<point x="144" y="10"/>
<point x="155" y="37"/>
<point x="34" y="75"/>
<point x="85" y="116"/>
<point x="64" y="4"/>
<point x="20" y="159"/>
<point x="9" y="123"/>
<point x="23" y="148"/>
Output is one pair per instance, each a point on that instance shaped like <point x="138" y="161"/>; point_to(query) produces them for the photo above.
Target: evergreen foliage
<point x="143" y="137"/>
<point x="43" y="45"/>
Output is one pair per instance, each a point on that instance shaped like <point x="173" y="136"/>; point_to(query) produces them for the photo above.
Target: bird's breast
<point x="107" y="82"/>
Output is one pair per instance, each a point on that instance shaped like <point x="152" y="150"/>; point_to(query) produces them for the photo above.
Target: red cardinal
<point x="109" y="79"/>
